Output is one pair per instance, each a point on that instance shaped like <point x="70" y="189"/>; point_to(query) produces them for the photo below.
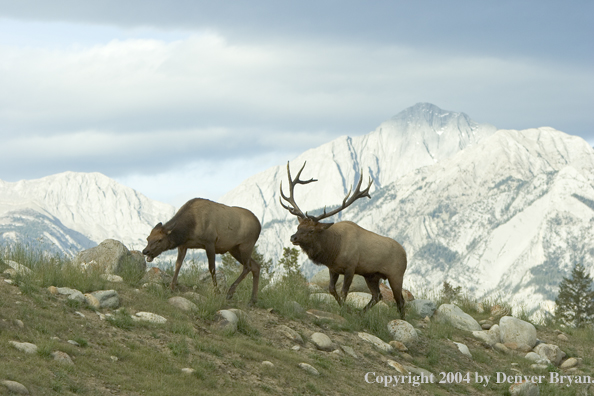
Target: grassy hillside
<point x="125" y="357"/>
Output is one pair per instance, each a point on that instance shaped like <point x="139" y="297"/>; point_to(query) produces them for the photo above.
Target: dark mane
<point x="325" y="249"/>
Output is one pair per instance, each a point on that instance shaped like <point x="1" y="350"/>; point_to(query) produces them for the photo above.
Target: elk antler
<point x="347" y="201"/>
<point x="294" y="209"/>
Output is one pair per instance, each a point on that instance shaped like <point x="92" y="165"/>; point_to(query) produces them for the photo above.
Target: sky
<point x="180" y="99"/>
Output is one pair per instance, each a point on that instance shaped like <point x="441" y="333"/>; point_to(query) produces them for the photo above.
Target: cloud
<point x="150" y="106"/>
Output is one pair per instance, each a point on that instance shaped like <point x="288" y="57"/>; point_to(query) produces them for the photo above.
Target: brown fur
<point x="214" y="227"/>
<point x="347" y="249"/>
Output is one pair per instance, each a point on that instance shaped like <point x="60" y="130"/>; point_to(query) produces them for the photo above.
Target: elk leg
<point x="346" y="283"/>
<point x="332" y="286"/>
<point x="373" y="285"/>
<point x="210" y="254"/>
<point x="396" y="285"/>
<point x="181" y="254"/>
<point x="255" y="266"/>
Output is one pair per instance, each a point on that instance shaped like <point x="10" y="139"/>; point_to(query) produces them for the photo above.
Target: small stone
<point x="464" y="349"/>
<point x="114" y="358"/>
<point x="149" y="317"/>
<point x="19" y="268"/>
<point x="82" y="315"/>
<point x="188" y="371"/>
<point x="349" y="351"/>
<point x="397" y="345"/>
<point x="322" y="342"/>
<point x="296" y="347"/>
<point x="92" y="301"/>
<point x="266" y="363"/>
<point x="72" y="342"/>
<point x="563" y="337"/>
<point x="19" y="323"/>
<point x="26" y="347"/>
<point x="227" y="320"/>
<point x="402" y="331"/>
<point x="499" y="347"/>
<point x="15" y="387"/>
<point x="182" y="303"/>
<point x="290" y="334"/>
<point x="537" y="366"/>
<point x="309" y="368"/>
<point x="377" y="342"/>
<point x="112" y="278"/>
<point x="62" y="357"/>
<point x="569" y="363"/>
<point x="397" y="366"/>
<point x="486" y="326"/>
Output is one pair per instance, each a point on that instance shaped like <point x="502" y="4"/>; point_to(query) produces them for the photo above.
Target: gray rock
<point x="267" y="363"/>
<point x="489" y="337"/>
<point x="112" y="257"/>
<point x="182" y="303"/>
<point x="26" y="347"/>
<point x="19" y="268"/>
<point x="290" y="334"/>
<point x="377" y="342"/>
<point x="15" y="387"/>
<point x="463" y="348"/>
<point x="451" y="314"/>
<point x="423" y="307"/>
<point x="309" y="368"/>
<point x="322" y="342"/>
<point x="107" y="298"/>
<point x="349" y="351"/>
<point x="551" y="352"/>
<point x="569" y="363"/>
<point x="518" y="331"/>
<point x="402" y="331"/>
<point x="227" y="320"/>
<point x="72" y="294"/>
<point x="536" y="358"/>
<point x="149" y="317"/>
<point x="188" y="370"/>
<point x="326" y="316"/>
<point x="501" y="348"/>
<point x="62" y="358"/>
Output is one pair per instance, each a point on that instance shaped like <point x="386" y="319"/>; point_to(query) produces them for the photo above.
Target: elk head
<point x="309" y="226"/>
<point x="158" y="242"/>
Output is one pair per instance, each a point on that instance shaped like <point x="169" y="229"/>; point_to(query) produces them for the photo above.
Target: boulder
<point x="26" y="347"/>
<point x="489" y="337"/>
<point x="463" y="348"/>
<point x="551" y="352"/>
<point x="451" y="314"/>
<point x="227" y="320"/>
<point x="62" y="358"/>
<point x="107" y="298"/>
<point x="15" y="387"/>
<point x="423" y="307"/>
<point x="518" y="331"/>
<point x="19" y="268"/>
<point x="111" y="256"/>
<point x="323" y="298"/>
<point x="402" y="331"/>
<point x="309" y="368"/>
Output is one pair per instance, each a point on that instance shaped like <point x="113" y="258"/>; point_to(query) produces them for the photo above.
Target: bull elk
<point x="214" y="227"/>
<point x="347" y="249"/>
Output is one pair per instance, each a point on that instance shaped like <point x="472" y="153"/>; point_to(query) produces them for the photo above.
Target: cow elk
<point x="347" y="249"/>
<point x="214" y="227"/>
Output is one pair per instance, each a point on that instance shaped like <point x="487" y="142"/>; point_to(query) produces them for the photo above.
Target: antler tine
<point x="294" y="209"/>
<point x="348" y="200"/>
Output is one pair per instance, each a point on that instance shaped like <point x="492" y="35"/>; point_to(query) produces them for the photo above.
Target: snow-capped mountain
<point x="502" y="213"/>
<point x="418" y="136"/>
<point x="74" y="211"/>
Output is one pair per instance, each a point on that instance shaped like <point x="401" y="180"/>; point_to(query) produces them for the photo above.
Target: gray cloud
<point x="153" y="91"/>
